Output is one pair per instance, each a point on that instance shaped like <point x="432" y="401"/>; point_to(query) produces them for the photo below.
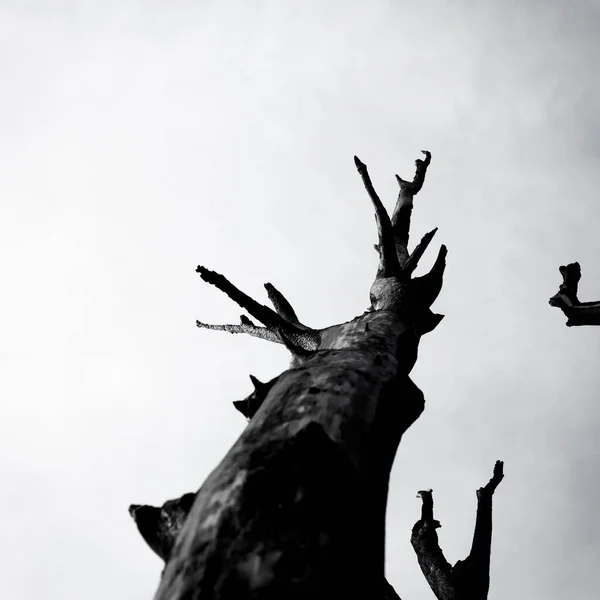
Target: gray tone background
<point x="140" y="139"/>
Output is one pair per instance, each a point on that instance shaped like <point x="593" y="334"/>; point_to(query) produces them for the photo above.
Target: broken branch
<point x="413" y="260"/>
<point x="264" y="314"/>
<point x="402" y="211"/>
<point x="468" y="578"/>
<point x="577" y="313"/>
<point x="281" y="304"/>
<point x="425" y="289"/>
<point x="259" y="332"/>
<point x="388" y="261"/>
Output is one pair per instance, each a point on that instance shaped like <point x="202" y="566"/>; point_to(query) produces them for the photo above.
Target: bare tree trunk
<point x="296" y="509"/>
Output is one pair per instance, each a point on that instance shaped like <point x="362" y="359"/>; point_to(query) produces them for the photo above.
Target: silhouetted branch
<point x="264" y="314"/>
<point x="281" y="305"/>
<point x="388" y="261"/>
<point x="425" y="289"/>
<point x="577" y="313"/>
<point x="424" y="539"/>
<point x="403" y="209"/>
<point x="413" y="260"/>
<point x="296" y="334"/>
<point x="469" y="578"/>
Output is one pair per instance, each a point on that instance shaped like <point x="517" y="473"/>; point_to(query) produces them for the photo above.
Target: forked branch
<point x="284" y="320"/>
<point x="469" y="578"/>
<point x="268" y="317"/>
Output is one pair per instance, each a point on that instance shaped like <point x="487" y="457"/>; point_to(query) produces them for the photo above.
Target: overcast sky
<point x="141" y="138"/>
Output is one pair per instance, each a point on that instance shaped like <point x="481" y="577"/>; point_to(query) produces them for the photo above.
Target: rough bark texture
<point x="296" y="509"/>
<point x="468" y="579"/>
<point x="577" y="313"/>
<point x="160" y="526"/>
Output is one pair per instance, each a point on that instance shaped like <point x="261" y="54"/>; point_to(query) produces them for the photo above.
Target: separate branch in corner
<point x="468" y="578"/>
<point x="577" y="313"/>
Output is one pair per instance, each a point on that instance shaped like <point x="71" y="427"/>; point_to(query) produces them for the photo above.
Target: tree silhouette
<point x="296" y="509"/>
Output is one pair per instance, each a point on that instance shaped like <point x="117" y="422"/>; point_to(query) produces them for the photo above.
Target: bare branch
<point x="281" y="305"/>
<point x="413" y="260"/>
<point x="403" y="209"/>
<point x="577" y="313"/>
<point x="468" y="578"/>
<point x="424" y="540"/>
<point x="425" y="289"/>
<point x="414" y="187"/>
<point x="388" y="261"/>
<point x="426" y="504"/>
<point x="259" y="332"/>
<point x="264" y="314"/>
<point x="494" y="482"/>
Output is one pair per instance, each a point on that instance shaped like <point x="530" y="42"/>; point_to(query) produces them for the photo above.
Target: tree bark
<point x="296" y="509"/>
<point x="160" y="526"/>
<point x="577" y="313"/>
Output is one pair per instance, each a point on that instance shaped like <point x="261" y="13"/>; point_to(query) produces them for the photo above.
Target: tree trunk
<point x="297" y="507"/>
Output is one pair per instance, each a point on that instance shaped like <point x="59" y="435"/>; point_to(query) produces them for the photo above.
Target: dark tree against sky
<point x="297" y="507"/>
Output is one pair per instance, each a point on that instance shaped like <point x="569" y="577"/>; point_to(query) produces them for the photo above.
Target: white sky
<point x="140" y="139"/>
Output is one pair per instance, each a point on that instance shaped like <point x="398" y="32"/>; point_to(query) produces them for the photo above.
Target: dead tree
<point x="296" y="509"/>
<point x="577" y="313"/>
<point x="468" y="579"/>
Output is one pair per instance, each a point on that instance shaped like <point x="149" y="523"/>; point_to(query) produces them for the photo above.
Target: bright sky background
<point x="140" y="139"/>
